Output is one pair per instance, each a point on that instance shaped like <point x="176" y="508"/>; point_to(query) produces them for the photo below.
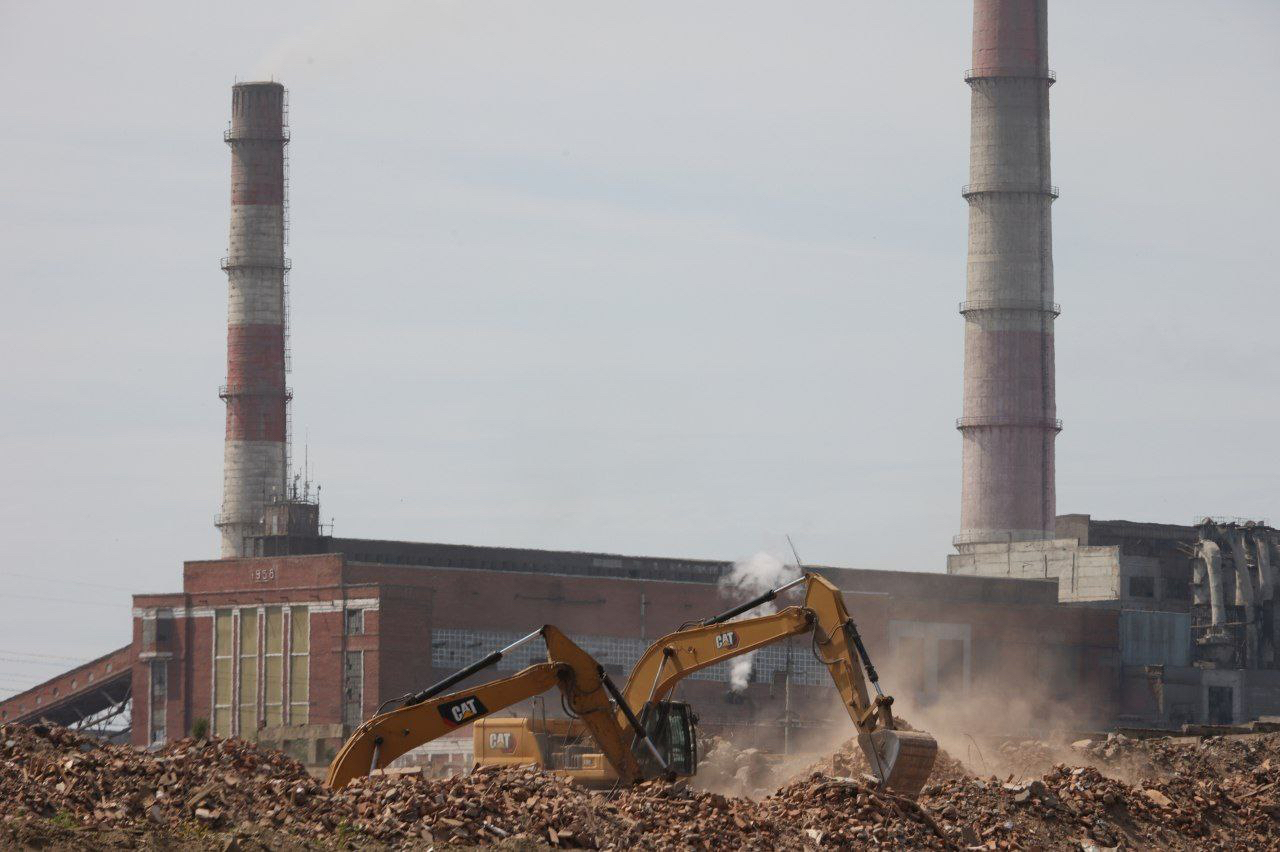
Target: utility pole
<point x="786" y="705"/>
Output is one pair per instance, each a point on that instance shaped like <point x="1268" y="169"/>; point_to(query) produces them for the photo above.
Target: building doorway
<point x="1220" y="705"/>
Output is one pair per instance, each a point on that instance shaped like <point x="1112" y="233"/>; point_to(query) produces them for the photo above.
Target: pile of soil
<point x="59" y="789"/>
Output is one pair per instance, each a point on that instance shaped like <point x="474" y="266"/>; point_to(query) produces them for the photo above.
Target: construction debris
<point x="58" y="788"/>
<point x="848" y="760"/>
<point x="726" y="768"/>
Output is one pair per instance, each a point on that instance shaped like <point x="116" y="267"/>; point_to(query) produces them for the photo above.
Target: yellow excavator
<point x="432" y="713"/>
<point x="658" y="739"/>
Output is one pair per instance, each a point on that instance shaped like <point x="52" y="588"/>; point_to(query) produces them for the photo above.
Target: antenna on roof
<point x="799" y="564"/>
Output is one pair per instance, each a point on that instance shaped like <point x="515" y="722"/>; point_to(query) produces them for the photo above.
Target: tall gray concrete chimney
<point x="1009" y="422"/>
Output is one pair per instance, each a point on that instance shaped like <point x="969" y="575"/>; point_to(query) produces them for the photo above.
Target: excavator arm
<point x="902" y="760"/>
<point x="677" y="655"/>
<point x="429" y="714"/>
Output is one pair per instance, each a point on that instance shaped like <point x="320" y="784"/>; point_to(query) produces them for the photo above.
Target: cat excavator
<point x="588" y="692"/>
<point x="640" y="732"/>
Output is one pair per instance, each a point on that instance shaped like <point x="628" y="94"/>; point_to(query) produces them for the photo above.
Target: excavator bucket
<point x="904" y="760"/>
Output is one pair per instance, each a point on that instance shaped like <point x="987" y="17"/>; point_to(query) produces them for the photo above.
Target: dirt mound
<point x="1129" y="759"/>
<point x="62" y="790"/>
<point x="59" y="788"/>
<point x="1181" y="756"/>
<point x="1081" y="805"/>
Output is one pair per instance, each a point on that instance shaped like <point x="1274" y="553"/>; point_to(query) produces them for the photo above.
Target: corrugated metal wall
<point x="1155" y="638"/>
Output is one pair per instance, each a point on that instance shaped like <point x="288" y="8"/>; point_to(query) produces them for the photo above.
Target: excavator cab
<point x="672" y="726"/>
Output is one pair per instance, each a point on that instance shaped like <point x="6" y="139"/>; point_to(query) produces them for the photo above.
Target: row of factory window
<point x="261" y="668"/>
<point x="453" y="648"/>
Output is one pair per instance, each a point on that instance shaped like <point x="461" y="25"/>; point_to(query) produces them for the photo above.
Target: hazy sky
<point x="659" y="278"/>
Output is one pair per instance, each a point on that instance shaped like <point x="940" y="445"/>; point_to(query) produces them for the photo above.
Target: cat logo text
<point x="462" y="710"/>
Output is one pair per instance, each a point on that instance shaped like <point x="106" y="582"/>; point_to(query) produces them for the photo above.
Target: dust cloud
<point x="1013" y="725"/>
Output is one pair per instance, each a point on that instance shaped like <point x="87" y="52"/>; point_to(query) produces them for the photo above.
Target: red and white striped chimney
<point x="255" y="459"/>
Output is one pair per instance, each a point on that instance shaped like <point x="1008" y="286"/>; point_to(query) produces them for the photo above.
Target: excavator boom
<point x="677" y="655"/>
<point x="426" y="716"/>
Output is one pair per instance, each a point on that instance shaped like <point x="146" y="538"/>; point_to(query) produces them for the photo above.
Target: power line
<point x="21" y="662"/>
<point x="68" y="600"/>
<point x="63" y="580"/>
<point x="45" y="656"/>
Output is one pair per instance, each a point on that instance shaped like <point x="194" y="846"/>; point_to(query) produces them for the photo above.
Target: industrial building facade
<point x="296" y="650"/>
<point x="1197" y="608"/>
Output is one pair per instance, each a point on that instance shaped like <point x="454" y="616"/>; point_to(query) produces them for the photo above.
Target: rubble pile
<point x="1181" y="755"/>
<point x="1129" y="759"/>
<point x="1084" y="805"/>
<point x="848" y="760"/>
<point x="74" y="783"/>
<point x="729" y="769"/>
<point x="1020" y="757"/>
<point x="60" y="789"/>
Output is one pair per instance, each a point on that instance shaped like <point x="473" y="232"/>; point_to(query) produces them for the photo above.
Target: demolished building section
<point x="1197" y="607"/>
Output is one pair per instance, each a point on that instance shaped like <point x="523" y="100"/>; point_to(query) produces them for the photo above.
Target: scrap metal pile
<point x="60" y="789"/>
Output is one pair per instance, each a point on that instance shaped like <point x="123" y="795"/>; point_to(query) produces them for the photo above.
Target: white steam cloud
<point x="748" y="578"/>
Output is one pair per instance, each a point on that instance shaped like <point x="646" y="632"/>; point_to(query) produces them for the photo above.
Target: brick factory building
<point x="296" y="650"/>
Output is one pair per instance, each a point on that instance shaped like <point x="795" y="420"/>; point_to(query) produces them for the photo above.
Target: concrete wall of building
<point x="1161" y="696"/>
<point x="1084" y="574"/>
<point x="1176" y="695"/>
<point x="1157" y="551"/>
<point x="1135" y="566"/>
<point x="1261" y="693"/>
<point x="1073" y="527"/>
<point x="1093" y="575"/>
